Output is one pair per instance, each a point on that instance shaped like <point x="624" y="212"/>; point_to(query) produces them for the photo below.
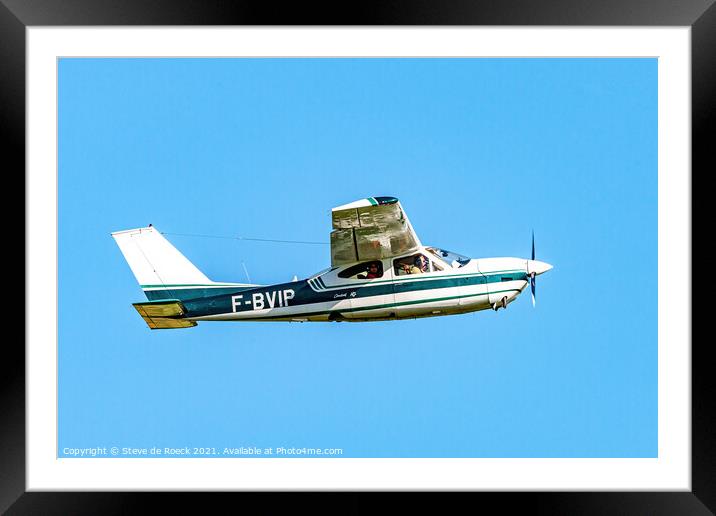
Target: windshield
<point x="455" y="260"/>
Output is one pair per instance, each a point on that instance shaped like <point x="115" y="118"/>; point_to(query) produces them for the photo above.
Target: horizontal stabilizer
<point x="163" y="314"/>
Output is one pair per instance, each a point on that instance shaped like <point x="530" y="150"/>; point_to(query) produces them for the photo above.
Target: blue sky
<point x="479" y="151"/>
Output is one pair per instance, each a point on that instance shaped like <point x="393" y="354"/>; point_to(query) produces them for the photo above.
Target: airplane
<point x="379" y="271"/>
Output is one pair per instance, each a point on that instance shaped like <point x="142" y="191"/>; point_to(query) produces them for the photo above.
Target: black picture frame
<point x="17" y="15"/>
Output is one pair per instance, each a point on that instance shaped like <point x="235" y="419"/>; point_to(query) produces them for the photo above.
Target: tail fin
<point x="154" y="261"/>
<point x="163" y="273"/>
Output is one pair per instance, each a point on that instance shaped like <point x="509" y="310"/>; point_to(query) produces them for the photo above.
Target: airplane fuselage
<point x="380" y="270"/>
<point x="476" y="285"/>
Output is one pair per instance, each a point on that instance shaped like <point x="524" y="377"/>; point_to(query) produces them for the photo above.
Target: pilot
<point x="419" y="266"/>
<point x="421" y="263"/>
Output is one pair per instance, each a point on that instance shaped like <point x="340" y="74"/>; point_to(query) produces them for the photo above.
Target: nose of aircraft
<point x="538" y="267"/>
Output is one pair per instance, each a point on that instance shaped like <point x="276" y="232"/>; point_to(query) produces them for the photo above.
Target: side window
<point x="365" y="270"/>
<point x="414" y="264"/>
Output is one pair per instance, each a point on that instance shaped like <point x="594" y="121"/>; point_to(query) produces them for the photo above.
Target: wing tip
<point x="379" y="200"/>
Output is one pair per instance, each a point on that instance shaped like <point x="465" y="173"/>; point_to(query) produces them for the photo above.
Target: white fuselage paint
<point x="461" y="292"/>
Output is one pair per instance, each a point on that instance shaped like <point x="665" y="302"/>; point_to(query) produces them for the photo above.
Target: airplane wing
<point x="371" y="229"/>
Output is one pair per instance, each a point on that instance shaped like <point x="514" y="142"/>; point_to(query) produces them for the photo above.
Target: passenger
<point x="373" y="271"/>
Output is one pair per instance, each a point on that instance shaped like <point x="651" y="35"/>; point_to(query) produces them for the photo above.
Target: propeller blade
<point x="533" y="284"/>
<point x="533" y="244"/>
<point x="533" y="276"/>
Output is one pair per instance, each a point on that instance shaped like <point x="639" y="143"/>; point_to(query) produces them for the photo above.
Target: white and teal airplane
<point x="379" y="271"/>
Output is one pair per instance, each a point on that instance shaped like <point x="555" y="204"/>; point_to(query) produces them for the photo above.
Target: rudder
<point x="154" y="261"/>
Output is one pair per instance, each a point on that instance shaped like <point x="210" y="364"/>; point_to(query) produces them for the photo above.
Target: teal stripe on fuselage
<point x="192" y="293"/>
<point x="220" y="303"/>
<point x="373" y="307"/>
<point x="411" y="278"/>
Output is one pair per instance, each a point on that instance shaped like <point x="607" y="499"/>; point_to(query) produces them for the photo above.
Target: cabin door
<point x="372" y="297"/>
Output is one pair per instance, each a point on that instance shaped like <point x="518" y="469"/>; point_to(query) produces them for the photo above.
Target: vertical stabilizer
<point x="154" y="261"/>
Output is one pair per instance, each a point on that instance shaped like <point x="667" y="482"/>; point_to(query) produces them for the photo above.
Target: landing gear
<point x="502" y="303"/>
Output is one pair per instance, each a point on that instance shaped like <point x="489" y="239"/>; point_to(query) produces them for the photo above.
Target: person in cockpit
<point x="373" y="271"/>
<point x="420" y="265"/>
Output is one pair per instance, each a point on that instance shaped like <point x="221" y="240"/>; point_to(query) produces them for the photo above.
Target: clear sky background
<point x="479" y="151"/>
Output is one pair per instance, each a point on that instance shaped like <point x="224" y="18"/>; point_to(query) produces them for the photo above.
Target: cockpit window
<point x="453" y="259"/>
<point x="413" y="264"/>
<point x="365" y="270"/>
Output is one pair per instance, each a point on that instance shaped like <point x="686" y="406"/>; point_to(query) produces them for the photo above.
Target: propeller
<point x="533" y="275"/>
<point x="534" y="269"/>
